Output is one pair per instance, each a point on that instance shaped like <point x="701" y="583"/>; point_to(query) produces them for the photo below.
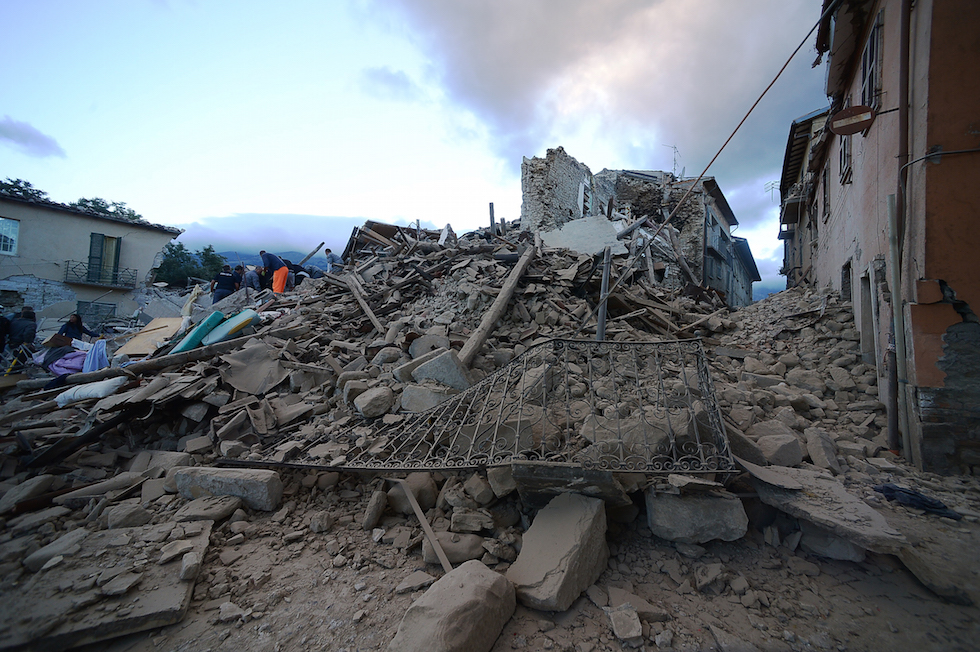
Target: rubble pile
<point x="214" y="485"/>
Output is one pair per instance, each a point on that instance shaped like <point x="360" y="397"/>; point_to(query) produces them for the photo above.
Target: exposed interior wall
<point x="553" y="190"/>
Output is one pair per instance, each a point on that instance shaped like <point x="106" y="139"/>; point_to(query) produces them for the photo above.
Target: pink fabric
<point x="69" y="364"/>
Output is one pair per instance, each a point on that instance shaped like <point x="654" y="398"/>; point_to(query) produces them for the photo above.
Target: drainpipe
<point x="897" y="206"/>
<point x="898" y="324"/>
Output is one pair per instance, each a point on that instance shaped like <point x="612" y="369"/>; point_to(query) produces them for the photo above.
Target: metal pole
<point x="493" y="225"/>
<point x="600" y="331"/>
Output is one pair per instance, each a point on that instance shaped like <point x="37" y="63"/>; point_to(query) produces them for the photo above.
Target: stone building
<point x="885" y="211"/>
<point x="61" y="260"/>
<point x="562" y="196"/>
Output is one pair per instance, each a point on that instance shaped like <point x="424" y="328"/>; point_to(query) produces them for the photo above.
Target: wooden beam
<point x="358" y="292"/>
<point x="480" y="335"/>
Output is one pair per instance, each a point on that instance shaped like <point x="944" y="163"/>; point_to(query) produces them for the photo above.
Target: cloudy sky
<point x="278" y="125"/>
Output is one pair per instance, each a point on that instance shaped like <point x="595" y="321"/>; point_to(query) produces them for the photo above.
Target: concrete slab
<point x="588" y="235"/>
<point x="38" y="614"/>
<point x="825" y="502"/>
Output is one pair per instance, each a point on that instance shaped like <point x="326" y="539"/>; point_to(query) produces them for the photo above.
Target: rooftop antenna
<point x="676" y="156"/>
<point x="770" y="186"/>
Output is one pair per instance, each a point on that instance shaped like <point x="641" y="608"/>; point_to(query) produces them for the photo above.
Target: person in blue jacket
<point x="74" y="328"/>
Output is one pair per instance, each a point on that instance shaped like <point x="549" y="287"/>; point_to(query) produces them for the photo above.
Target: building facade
<point x="887" y="215"/>
<point x="60" y="260"/>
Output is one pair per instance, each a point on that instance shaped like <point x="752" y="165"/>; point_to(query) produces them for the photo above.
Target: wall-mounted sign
<point x="852" y="120"/>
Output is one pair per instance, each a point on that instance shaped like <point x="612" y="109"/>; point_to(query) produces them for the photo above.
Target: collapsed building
<point x="398" y="454"/>
<point x="570" y="206"/>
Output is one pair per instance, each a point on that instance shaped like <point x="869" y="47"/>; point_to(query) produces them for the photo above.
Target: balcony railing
<point x="86" y="274"/>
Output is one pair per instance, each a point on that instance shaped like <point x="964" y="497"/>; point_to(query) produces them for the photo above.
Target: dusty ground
<point x="302" y="596"/>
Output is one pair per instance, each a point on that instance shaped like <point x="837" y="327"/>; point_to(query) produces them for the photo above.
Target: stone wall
<point x="551" y="190"/>
<point x="949" y="416"/>
<point x="27" y="290"/>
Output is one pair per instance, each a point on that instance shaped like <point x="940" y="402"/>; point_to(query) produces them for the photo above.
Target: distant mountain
<point x="240" y="257"/>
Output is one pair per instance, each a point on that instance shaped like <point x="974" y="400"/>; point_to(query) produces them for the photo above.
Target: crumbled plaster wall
<point x="39" y="293"/>
<point x="551" y="190"/>
<point x="633" y="196"/>
<point x="950" y="415"/>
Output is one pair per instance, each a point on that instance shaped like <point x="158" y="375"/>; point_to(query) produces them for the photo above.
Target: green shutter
<point x="95" y="245"/>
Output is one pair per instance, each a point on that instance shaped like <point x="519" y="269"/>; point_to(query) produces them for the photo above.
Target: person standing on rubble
<point x="334" y="262"/>
<point x="252" y="279"/>
<point x="273" y="265"/>
<point x="223" y="284"/>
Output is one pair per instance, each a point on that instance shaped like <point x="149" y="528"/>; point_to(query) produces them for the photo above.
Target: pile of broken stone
<point x="129" y="531"/>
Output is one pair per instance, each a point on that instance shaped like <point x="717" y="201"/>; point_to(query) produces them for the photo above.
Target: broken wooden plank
<point x="358" y="292"/>
<point x="480" y="335"/>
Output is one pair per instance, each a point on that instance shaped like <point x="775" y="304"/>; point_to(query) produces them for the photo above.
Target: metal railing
<point x="647" y="407"/>
<point x="84" y="273"/>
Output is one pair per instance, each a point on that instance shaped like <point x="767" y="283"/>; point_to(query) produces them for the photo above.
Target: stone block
<point x="459" y="548"/>
<point x="695" y="518"/>
<point x="563" y="553"/>
<point x="464" y="611"/>
<point x="781" y="450"/>
<point x="501" y="480"/>
<point x="27" y="489"/>
<point x="422" y="486"/>
<point x="445" y="369"/>
<point x="374" y="402"/>
<point x="426" y="344"/>
<point x="67" y="544"/>
<point x="127" y="516"/>
<point x="416" y="398"/>
<point x="479" y="489"/>
<point x="403" y="373"/>
<point x="823" y="452"/>
<point x="259" y="488"/>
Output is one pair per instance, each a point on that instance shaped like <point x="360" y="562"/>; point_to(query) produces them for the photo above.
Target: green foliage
<point x="103" y="207"/>
<point x="179" y="263"/>
<point x="211" y="262"/>
<point x="22" y="189"/>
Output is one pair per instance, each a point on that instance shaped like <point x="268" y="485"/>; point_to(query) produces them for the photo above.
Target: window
<point x="871" y="66"/>
<point x="825" y="180"/>
<point x="103" y="259"/>
<point x="93" y="314"/>
<point x="9" y="234"/>
<point x="845" y="159"/>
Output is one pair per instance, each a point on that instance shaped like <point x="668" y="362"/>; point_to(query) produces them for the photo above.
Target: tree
<point x="22" y="189"/>
<point x="179" y="264"/>
<point x="211" y="263"/>
<point x="103" y="207"/>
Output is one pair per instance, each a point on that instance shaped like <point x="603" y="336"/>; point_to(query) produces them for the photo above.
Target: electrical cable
<point x="602" y="299"/>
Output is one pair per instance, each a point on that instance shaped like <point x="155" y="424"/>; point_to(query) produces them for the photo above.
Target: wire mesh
<point x="619" y="406"/>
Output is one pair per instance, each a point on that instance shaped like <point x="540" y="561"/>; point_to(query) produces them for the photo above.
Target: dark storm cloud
<point x="633" y="74"/>
<point x="384" y="83"/>
<point x="28" y="140"/>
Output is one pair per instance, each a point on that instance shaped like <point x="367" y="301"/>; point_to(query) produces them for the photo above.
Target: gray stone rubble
<point x="149" y="525"/>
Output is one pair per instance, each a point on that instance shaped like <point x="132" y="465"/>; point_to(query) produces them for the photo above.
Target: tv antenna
<point x="676" y="156"/>
<point x="770" y="186"/>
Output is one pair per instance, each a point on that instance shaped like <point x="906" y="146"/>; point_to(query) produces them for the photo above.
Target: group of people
<point x="18" y="328"/>
<point x="275" y="273"/>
